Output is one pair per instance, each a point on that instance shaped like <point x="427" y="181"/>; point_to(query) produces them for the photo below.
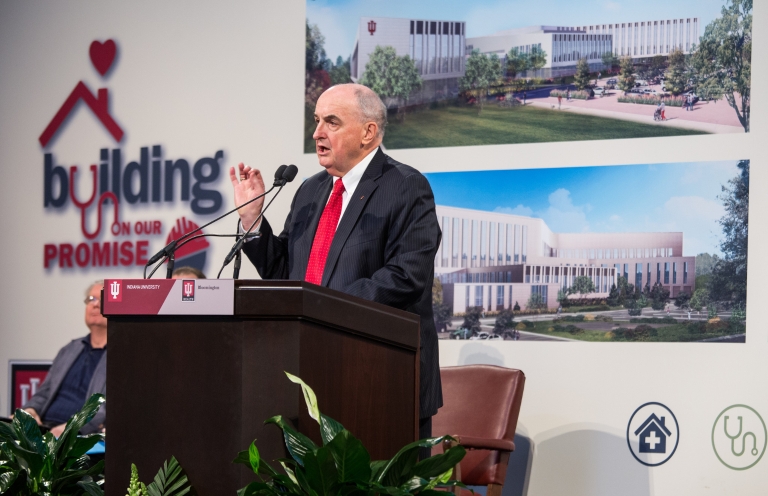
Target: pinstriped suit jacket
<point x="383" y="250"/>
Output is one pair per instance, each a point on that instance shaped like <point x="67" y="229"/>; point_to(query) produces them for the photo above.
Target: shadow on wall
<point x="584" y="459"/>
<point x="519" y="467"/>
<point x="480" y="354"/>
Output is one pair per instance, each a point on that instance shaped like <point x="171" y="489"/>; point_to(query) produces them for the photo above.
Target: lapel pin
<point x="362" y="197"/>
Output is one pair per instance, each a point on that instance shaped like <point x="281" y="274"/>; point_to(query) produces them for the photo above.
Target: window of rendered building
<point x="499" y="296"/>
<point x="478" y="296"/>
<point x="674" y="272"/>
<point x="666" y="272"/>
<point x="490" y="295"/>
<point x="685" y="272"/>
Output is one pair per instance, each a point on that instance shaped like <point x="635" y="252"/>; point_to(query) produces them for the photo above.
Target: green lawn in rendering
<point x="454" y="125"/>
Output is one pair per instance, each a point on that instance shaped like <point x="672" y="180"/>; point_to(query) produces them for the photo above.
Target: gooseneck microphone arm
<point x="171" y="247"/>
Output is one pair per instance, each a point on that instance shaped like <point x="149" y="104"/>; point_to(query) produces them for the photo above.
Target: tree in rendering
<point x="536" y="302"/>
<point x="626" y="79"/>
<point x="504" y="322"/>
<point x="390" y="76"/>
<point x="340" y="73"/>
<point x="517" y="62"/>
<point x="723" y="59"/>
<point x="683" y="300"/>
<point x="581" y="78"/>
<point x="611" y="61"/>
<point x="472" y="320"/>
<point x="316" y="67"/>
<point x="537" y="58"/>
<point x="659" y="296"/>
<point x="481" y="72"/>
<point x="441" y="311"/>
<point x="582" y="285"/>
<point x="656" y="67"/>
<point x="676" y="76"/>
<point x="728" y="281"/>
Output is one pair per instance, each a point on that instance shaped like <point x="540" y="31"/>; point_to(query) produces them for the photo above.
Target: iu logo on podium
<point x="188" y="290"/>
<point x="114" y="292"/>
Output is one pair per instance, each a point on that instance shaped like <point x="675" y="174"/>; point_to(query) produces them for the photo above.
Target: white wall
<point x="197" y="77"/>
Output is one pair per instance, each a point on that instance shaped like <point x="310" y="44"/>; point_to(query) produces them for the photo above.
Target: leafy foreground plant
<point x="34" y="464"/>
<point x="169" y="481"/>
<point x="343" y="467"/>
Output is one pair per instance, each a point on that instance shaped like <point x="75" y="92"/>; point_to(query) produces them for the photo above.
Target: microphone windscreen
<point x="290" y="173"/>
<point x="280" y="171"/>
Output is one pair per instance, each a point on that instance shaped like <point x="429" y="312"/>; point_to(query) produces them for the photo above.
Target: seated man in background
<point x="187" y="273"/>
<point x="78" y="371"/>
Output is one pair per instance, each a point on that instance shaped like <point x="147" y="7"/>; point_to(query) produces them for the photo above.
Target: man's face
<point x="340" y="131"/>
<point x="93" y="315"/>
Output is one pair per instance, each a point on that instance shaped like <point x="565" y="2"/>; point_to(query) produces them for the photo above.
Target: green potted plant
<point x="343" y="467"/>
<point x="32" y="463"/>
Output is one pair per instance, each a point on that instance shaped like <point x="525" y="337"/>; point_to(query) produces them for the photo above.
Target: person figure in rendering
<point x="663" y="109"/>
<point x="559" y="101"/>
<point x="78" y="371"/>
<point x="366" y="225"/>
<point x="568" y="95"/>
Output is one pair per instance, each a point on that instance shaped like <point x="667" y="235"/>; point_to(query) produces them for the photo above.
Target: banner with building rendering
<point x="500" y="72"/>
<point x="653" y="252"/>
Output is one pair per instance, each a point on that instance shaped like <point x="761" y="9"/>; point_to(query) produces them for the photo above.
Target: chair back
<point x="480" y="401"/>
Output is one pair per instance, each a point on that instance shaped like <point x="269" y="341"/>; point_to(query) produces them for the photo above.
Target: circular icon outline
<point x="765" y="443"/>
<point x="677" y="440"/>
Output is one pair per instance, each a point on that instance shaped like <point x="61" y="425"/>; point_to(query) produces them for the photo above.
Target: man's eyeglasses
<point x="92" y="299"/>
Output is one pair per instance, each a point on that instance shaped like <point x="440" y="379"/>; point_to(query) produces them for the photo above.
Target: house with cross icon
<point x="653" y="435"/>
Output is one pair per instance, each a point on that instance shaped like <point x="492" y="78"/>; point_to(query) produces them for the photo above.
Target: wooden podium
<point x="200" y="388"/>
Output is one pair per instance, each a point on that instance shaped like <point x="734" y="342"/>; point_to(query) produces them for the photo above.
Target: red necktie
<point x="326" y="228"/>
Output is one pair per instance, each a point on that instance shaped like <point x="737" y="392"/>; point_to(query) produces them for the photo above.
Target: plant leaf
<point x="440" y="479"/>
<point x="6" y="432"/>
<point x="309" y="396"/>
<point x="289" y="473"/>
<point x="28" y="432"/>
<point x="254" y="458"/>
<point x="75" y="423"/>
<point x="170" y="480"/>
<point x="437" y="465"/>
<point x="90" y="487"/>
<point x="243" y="457"/>
<point x="7" y="479"/>
<point x="329" y="428"/>
<point x="398" y="469"/>
<point x="83" y="443"/>
<point x="352" y="459"/>
<point x="322" y="475"/>
<point x="298" y="444"/>
<point x="255" y="488"/>
<point x="376" y="468"/>
<point x="27" y="460"/>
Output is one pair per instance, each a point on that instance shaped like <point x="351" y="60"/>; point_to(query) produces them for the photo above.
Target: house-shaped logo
<point x="653" y="435"/>
<point x="102" y="56"/>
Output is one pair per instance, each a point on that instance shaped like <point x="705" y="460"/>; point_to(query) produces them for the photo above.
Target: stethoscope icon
<point x="733" y="439"/>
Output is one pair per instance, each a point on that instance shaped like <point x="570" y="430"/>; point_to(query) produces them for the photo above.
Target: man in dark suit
<point x="365" y="226"/>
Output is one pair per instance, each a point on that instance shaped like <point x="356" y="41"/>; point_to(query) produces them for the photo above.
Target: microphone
<point x="171" y="247"/>
<point x="288" y="175"/>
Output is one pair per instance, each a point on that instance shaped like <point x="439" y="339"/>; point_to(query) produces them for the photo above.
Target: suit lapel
<point x="304" y="247"/>
<point x="355" y="207"/>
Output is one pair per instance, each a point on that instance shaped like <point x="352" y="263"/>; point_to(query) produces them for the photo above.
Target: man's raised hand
<point x="247" y="183"/>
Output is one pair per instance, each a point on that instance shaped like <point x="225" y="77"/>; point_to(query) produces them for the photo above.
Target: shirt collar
<point x="352" y="178"/>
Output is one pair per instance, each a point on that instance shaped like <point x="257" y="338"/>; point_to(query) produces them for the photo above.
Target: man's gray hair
<point x="372" y="109"/>
<point x="100" y="282"/>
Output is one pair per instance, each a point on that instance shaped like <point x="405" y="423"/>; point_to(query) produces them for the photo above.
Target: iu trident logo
<point x="371" y="27"/>
<point x="188" y="291"/>
<point x="114" y="291"/>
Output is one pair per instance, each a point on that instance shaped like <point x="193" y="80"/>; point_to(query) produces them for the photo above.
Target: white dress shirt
<point x="351" y="179"/>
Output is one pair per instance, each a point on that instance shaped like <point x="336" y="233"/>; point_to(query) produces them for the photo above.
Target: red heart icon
<point x="102" y="55"/>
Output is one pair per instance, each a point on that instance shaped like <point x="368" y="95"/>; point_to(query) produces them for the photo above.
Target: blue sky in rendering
<point x="338" y="19"/>
<point x="679" y="197"/>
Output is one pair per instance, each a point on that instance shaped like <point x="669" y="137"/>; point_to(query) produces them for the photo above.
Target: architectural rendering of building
<point x="565" y="45"/>
<point x="436" y="47"/>
<point x="495" y="260"/>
